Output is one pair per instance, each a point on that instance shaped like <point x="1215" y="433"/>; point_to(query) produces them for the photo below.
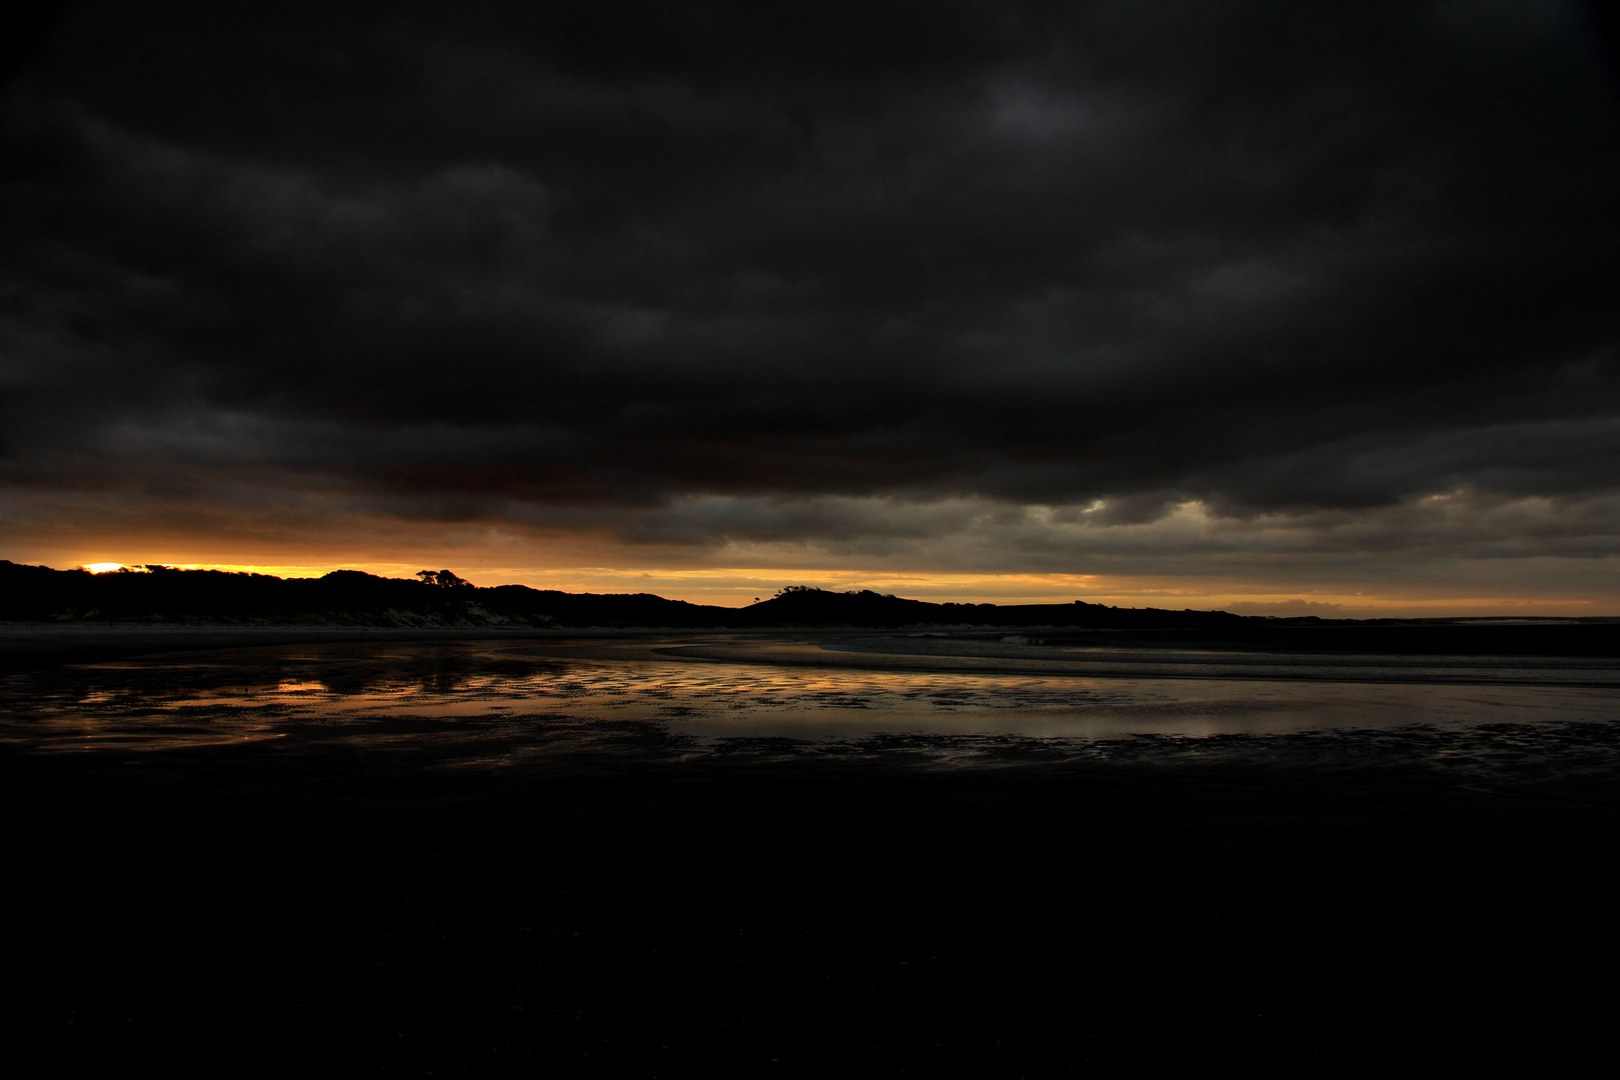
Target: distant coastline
<point x="352" y="599"/>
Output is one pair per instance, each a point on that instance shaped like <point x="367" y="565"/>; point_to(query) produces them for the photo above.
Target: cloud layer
<point x="708" y="274"/>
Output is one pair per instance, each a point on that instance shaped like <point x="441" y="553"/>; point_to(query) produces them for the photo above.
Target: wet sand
<point x="353" y="856"/>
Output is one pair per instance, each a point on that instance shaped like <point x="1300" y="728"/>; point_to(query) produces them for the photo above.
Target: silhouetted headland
<point x="441" y="599"/>
<point x="74" y="615"/>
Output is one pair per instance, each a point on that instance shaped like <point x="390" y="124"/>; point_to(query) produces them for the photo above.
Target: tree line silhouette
<point x="158" y="593"/>
<point x="443" y="599"/>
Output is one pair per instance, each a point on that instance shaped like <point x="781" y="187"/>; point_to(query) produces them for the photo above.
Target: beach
<point x="661" y="855"/>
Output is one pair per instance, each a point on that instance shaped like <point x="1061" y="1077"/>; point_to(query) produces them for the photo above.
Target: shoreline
<point x="39" y="645"/>
<point x="1125" y="653"/>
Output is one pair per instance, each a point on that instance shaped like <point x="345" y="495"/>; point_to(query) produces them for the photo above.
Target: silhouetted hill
<point x="800" y="606"/>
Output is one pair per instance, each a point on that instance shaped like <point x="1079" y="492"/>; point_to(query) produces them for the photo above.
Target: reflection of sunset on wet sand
<point x="972" y="701"/>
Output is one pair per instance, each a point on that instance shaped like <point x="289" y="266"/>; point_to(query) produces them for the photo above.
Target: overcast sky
<point x="1237" y="302"/>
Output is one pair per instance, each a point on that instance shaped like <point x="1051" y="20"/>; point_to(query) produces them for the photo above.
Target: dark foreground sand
<point x="1295" y="906"/>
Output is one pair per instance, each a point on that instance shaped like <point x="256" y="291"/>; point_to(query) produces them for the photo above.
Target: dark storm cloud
<point x="535" y="262"/>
